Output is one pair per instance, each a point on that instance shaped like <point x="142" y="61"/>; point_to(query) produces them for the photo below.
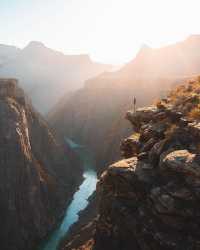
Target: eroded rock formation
<point x="36" y="177"/>
<point x="151" y="199"/>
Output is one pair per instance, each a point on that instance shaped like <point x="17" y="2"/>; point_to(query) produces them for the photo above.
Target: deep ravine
<point x="79" y="201"/>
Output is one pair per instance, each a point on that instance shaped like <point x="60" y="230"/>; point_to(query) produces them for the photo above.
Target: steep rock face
<point x="151" y="199"/>
<point x="36" y="173"/>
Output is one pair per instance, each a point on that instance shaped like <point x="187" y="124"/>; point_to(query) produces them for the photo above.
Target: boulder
<point x="142" y="115"/>
<point x="130" y="146"/>
<point x="182" y="162"/>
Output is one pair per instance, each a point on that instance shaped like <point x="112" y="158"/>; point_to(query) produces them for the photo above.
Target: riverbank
<point x="79" y="201"/>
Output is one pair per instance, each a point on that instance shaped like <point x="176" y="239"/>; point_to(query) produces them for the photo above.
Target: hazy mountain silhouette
<point x="47" y="74"/>
<point x="7" y="53"/>
<point x="182" y="58"/>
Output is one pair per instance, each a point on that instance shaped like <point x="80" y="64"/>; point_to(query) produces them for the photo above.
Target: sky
<point x="110" y="31"/>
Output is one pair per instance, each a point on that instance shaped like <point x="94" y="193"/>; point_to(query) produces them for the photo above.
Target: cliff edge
<point x="150" y="200"/>
<point x="36" y="177"/>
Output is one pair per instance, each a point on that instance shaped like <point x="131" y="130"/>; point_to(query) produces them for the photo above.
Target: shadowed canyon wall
<point x="37" y="176"/>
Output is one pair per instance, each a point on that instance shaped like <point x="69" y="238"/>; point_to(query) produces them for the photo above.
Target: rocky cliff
<point x="150" y="200"/>
<point x="36" y="177"/>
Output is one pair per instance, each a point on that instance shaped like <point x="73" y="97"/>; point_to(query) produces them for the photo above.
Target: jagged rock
<point x="183" y="122"/>
<point x="157" y="150"/>
<point x="140" y="209"/>
<point x="194" y="129"/>
<point x="182" y="162"/>
<point x="151" y="201"/>
<point x="130" y="146"/>
<point x="143" y="156"/>
<point x="37" y="177"/>
<point x="148" y="145"/>
<point x="142" y="115"/>
<point x="174" y="115"/>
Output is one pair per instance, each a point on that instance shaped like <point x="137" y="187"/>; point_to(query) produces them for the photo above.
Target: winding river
<point x="80" y="198"/>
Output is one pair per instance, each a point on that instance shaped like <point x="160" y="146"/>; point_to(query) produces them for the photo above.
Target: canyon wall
<point x="37" y="174"/>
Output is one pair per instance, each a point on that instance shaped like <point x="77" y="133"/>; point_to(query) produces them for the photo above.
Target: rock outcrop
<point x="37" y="175"/>
<point x="150" y="200"/>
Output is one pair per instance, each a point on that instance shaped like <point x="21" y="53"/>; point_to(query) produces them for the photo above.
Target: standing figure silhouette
<point x="134" y="104"/>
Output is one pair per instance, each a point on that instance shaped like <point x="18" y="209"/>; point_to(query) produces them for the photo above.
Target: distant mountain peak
<point x="144" y="49"/>
<point x="35" y="44"/>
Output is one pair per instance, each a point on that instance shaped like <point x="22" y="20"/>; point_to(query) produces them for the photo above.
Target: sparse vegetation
<point x="195" y="113"/>
<point x="135" y="136"/>
<point x="186" y="99"/>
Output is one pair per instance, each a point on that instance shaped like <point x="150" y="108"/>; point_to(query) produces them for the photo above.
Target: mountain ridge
<point x="40" y="68"/>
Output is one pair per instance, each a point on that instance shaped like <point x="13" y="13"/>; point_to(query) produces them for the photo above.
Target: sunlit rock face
<point x="46" y="74"/>
<point x="37" y="176"/>
<point x="150" y="199"/>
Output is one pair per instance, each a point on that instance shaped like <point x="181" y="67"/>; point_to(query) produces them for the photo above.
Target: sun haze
<point x="110" y="31"/>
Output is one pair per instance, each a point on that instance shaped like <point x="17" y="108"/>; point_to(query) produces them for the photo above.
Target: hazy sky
<point x="110" y="31"/>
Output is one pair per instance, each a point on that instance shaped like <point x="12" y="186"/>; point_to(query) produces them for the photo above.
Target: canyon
<point x="96" y="119"/>
<point x="142" y="201"/>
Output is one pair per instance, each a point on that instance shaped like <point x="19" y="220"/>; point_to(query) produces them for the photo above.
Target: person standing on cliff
<point x="134" y="104"/>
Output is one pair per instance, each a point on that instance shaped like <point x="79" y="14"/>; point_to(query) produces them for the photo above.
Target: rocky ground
<point x="151" y="199"/>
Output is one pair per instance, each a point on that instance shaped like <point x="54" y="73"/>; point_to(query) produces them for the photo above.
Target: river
<point x="80" y="198"/>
